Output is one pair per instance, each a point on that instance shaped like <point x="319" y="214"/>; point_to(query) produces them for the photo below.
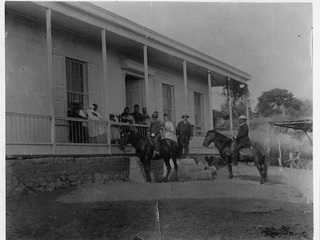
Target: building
<point x="59" y="53"/>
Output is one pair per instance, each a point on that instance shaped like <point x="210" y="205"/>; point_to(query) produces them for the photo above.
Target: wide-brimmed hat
<point x="243" y="117"/>
<point x="185" y="115"/>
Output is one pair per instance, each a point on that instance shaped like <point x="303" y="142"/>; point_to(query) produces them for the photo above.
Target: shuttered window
<point x="198" y="111"/>
<point x="76" y="78"/>
<point x="168" y="103"/>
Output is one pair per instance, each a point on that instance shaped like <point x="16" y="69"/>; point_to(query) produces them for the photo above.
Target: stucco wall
<point x="26" y="88"/>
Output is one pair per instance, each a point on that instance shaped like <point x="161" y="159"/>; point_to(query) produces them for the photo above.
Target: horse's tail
<point x="265" y="166"/>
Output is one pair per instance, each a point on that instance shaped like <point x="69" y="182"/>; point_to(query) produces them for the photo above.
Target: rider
<point x="154" y="132"/>
<point x="242" y="139"/>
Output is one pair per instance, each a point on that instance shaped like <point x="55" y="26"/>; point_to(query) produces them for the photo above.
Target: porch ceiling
<point x="114" y="40"/>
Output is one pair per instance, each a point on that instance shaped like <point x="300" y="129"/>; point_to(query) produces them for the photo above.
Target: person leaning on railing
<point x="78" y="132"/>
<point x="97" y="131"/>
<point x="115" y="133"/>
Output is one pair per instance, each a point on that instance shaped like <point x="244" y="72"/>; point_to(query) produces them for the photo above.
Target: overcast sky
<point x="270" y="41"/>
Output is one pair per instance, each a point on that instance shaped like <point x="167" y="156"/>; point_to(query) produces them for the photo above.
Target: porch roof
<point x="88" y="19"/>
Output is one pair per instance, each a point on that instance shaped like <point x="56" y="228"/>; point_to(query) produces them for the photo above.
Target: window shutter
<point x="158" y="98"/>
<point x="94" y="84"/>
<point x="60" y="91"/>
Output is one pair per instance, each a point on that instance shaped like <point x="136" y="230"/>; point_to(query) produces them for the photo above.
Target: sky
<point x="270" y="41"/>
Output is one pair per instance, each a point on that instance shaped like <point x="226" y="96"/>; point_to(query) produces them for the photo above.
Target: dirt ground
<point x="240" y="208"/>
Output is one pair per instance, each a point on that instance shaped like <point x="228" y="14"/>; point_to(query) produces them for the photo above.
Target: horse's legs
<point x="228" y="161"/>
<point x="167" y="162"/>
<point x="174" y="159"/>
<point x="260" y="169"/>
<point x="146" y="165"/>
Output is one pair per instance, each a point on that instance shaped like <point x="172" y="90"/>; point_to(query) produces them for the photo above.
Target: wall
<point x="50" y="173"/>
<point x="165" y="75"/>
<point x="26" y="66"/>
<point x="47" y="174"/>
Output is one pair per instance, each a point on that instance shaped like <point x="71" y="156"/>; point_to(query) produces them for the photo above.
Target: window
<point x="168" y="103"/>
<point x="76" y="78"/>
<point x="198" y="111"/>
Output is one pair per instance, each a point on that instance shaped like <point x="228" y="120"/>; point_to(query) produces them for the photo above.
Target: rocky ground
<point x="240" y="208"/>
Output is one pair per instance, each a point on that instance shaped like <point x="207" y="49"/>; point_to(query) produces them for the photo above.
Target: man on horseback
<point x="242" y="140"/>
<point x="154" y="132"/>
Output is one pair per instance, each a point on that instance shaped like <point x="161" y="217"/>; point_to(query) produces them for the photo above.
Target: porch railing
<point x="27" y="128"/>
<point x="75" y="130"/>
<point x="36" y="129"/>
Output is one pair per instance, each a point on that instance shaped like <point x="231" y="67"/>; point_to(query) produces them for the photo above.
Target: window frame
<point x="198" y="128"/>
<point x="84" y="89"/>
<point x="172" y="109"/>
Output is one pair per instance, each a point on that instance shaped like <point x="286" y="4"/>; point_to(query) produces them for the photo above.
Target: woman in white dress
<point x="168" y="129"/>
<point x="96" y="130"/>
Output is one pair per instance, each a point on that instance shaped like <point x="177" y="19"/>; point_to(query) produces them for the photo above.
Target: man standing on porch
<point x="184" y="134"/>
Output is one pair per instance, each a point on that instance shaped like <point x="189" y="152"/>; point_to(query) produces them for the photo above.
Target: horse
<point x="225" y="147"/>
<point x="169" y="149"/>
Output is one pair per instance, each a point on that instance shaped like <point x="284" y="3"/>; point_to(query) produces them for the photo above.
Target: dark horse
<point x="145" y="148"/>
<point x="225" y="146"/>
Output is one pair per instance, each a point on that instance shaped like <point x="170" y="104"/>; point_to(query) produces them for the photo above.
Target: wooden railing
<point x="27" y="128"/>
<point x="31" y="129"/>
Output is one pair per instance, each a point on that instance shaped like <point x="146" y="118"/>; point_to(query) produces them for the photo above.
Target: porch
<point x="29" y="134"/>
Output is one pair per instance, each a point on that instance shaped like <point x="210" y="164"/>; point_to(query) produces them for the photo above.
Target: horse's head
<point x="124" y="138"/>
<point x="209" y="138"/>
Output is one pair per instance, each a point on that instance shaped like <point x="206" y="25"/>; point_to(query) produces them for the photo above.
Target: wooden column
<point x="106" y="85"/>
<point x="146" y="77"/>
<point x="230" y="107"/>
<point x="50" y="79"/>
<point x="248" y="112"/>
<point x="185" y="86"/>
<point x="210" y="101"/>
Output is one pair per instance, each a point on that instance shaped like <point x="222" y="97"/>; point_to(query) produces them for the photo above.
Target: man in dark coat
<point x="154" y="132"/>
<point x="184" y="134"/>
<point x="242" y="139"/>
<point x="137" y="116"/>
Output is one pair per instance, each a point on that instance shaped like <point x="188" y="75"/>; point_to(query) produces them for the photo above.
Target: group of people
<point x="135" y="116"/>
<point x="183" y="133"/>
<point x="96" y="132"/>
<point x="91" y="132"/>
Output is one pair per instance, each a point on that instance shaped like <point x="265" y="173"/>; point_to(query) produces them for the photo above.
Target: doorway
<point x="134" y="91"/>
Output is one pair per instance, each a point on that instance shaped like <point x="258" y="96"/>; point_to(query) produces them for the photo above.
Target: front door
<point x="134" y="92"/>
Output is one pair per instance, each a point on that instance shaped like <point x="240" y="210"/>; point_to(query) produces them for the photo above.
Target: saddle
<point x="247" y="151"/>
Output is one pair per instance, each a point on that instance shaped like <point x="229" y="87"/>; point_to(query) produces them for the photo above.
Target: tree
<point x="277" y="101"/>
<point x="237" y="93"/>
<point x="238" y="108"/>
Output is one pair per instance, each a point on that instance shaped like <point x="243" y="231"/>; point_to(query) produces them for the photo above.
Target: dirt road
<point x="219" y="209"/>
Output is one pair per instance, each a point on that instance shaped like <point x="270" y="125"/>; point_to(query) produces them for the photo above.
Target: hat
<point x="185" y="115"/>
<point x="243" y="117"/>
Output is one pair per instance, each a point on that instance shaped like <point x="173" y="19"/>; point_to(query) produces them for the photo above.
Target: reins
<point x="140" y="145"/>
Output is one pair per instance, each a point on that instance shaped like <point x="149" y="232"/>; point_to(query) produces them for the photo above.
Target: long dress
<point x="95" y="128"/>
<point x="168" y="131"/>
